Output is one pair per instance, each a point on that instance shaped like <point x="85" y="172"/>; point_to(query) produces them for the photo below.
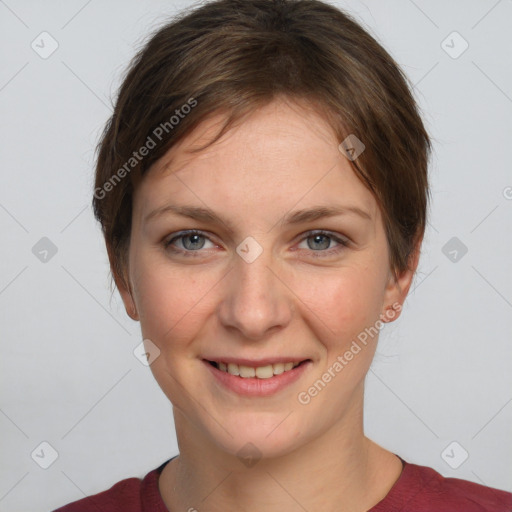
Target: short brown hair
<point x="233" y="56"/>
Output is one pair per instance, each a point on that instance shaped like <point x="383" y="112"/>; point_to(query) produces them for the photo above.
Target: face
<point x="256" y="282"/>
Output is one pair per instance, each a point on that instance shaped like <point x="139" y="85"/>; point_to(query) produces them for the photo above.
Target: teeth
<point x="232" y="368"/>
<point x="247" y="371"/>
<point x="262" y="372"/>
<point x="278" y="368"/>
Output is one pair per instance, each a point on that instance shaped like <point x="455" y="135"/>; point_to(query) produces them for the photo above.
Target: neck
<point x="341" y="470"/>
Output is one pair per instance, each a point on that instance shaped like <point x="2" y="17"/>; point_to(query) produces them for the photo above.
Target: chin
<point x="254" y="436"/>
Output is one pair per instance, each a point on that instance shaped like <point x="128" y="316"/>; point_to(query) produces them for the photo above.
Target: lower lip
<point x="253" y="386"/>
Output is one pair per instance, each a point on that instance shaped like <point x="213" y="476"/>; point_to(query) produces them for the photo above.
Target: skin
<point x="281" y="158"/>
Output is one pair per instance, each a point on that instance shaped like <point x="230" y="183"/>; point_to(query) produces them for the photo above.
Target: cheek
<point x="169" y="303"/>
<point x="344" y="301"/>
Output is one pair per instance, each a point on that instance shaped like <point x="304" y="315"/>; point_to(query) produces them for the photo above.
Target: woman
<point x="262" y="189"/>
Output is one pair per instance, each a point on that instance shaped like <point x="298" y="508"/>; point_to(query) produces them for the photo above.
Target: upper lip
<point x="256" y="362"/>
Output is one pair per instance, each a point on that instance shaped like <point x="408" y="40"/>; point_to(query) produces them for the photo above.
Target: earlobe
<point x="391" y="312"/>
<point x="398" y="287"/>
<point x="395" y="295"/>
<point x="129" y="304"/>
<point x="127" y="297"/>
<point x="131" y="310"/>
<point x="120" y="275"/>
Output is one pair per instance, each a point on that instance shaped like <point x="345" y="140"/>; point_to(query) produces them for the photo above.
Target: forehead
<point x="280" y="156"/>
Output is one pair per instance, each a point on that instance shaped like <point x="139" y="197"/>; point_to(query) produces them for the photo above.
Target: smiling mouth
<point x="260" y="372"/>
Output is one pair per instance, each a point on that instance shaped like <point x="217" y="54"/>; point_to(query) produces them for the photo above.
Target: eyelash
<point x="316" y="254"/>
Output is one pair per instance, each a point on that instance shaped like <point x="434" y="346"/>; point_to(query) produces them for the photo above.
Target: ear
<point x="121" y="278"/>
<point x="127" y="296"/>
<point x="398" y="286"/>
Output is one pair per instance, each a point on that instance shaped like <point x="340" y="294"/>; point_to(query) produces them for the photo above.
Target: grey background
<point x="68" y="372"/>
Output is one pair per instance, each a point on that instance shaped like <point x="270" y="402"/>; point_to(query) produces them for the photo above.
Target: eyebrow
<point x="292" y="218"/>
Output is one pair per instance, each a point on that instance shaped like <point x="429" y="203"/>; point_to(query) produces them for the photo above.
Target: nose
<point x="256" y="301"/>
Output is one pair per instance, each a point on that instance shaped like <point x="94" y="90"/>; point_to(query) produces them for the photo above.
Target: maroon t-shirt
<point x="418" y="489"/>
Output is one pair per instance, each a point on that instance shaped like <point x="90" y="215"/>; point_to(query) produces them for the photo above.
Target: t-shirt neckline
<point x="152" y="501"/>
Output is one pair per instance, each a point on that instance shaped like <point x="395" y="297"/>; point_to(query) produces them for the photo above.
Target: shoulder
<point x="124" y="495"/>
<point x="129" y="495"/>
<point x="424" y="489"/>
